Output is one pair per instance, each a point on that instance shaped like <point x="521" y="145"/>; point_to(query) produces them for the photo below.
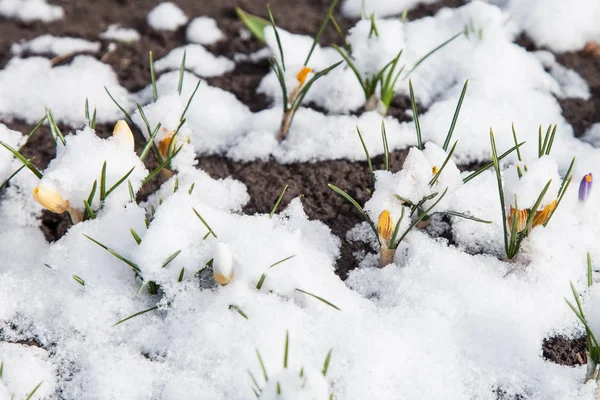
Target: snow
<point x="34" y="84"/>
<point x="204" y="31"/>
<point x="120" y="34"/>
<point x="197" y="59"/>
<point x="166" y="16"/>
<point x="448" y="319"/>
<point x="54" y="45"/>
<point x="30" y="10"/>
<point x="381" y="8"/>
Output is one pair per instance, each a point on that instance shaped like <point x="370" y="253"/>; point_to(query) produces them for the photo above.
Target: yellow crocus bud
<point x="303" y="74"/>
<point x="163" y="145"/>
<point x="541" y="216"/>
<point x="222" y="264"/>
<point x="434" y="170"/>
<point x="50" y="199"/>
<point x="385" y="225"/>
<point x="521" y="219"/>
<point x="123" y="134"/>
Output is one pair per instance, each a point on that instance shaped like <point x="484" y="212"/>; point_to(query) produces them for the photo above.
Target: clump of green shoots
<point x="292" y="100"/>
<point x="386" y="78"/>
<point x="519" y="223"/>
<point x="272" y="384"/>
<point x="593" y="352"/>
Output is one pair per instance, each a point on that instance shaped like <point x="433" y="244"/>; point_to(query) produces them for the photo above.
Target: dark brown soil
<point x="265" y="180"/>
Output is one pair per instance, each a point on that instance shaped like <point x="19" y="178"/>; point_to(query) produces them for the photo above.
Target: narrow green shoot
<point x="136" y="237"/>
<point x="187" y="106"/>
<point x="373" y="30"/>
<point x="386" y="149"/>
<point x="590" y="279"/>
<point x="137" y="314"/>
<point x="318" y="298"/>
<point x="326" y="20"/>
<point x="119" y="182"/>
<point x="150" y="143"/>
<point x="491" y="164"/>
<point x="274" y="209"/>
<point x="263" y="276"/>
<point x="24" y="160"/>
<point x="152" y="76"/>
<point x="161" y="166"/>
<point x="181" y="73"/>
<point x="441" y="169"/>
<point x="326" y="363"/>
<point x="254" y="24"/>
<point x="180" y="279"/>
<point x="369" y="162"/>
<point x="191" y="188"/>
<point x="120" y="107"/>
<point x="78" y="280"/>
<point x="286" y="349"/>
<point x="262" y="366"/>
<point x="131" y="192"/>
<point x="11" y="176"/>
<point x="133" y="266"/>
<point x="462" y="215"/>
<point x="36" y="127"/>
<point x="56" y="133"/>
<point x="422" y="216"/>
<point x="455" y="117"/>
<point x="1" y="369"/>
<point x="205" y="223"/>
<point x="272" y="20"/>
<point x="239" y="310"/>
<point x="103" y="182"/>
<point x="356" y="205"/>
<point x="433" y="51"/>
<point x="34" y="390"/>
<point x="171" y="258"/>
<point x="413" y="104"/>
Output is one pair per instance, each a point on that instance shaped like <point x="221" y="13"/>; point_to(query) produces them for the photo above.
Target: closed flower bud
<point x="541" y="216"/>
<point x="385" y="225"/>
<point x="50" y="199"/>
<point x="302" y="75"/>
<point x="163" y="145"/>
<point x="434" y="170"/>
<point x="519" y="217"/>
<point x="222" y="264"/>
<point x="123" y="134"/>
<point x="585" y="187"/>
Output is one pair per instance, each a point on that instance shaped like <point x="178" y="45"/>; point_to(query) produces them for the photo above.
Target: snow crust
<point x="197" y="59"/>
<point x="120" y="34"/>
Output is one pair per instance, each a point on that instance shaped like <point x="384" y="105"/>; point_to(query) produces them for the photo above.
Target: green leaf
<point x="191" y="188"/>
<point x="274" y="209"/>
<point x="136" y="315"/>
<point x="386" y="149"/>
<point x="239" y="310"/>
<point x="24" y="160"/>
<point x="413" y="104"/>
<point x="318" y="298"/>
<point x="536" y="206"/>
<point x="79" y="280"/>
<point x="491" y="164"/>
<point x="36" y="127"/>
<point x="181" y="275"/>
<point x="103" y="182"/>
<point x="328" y="16"/>
<point x="150" y="143"/>
<point x="366" y="88"/>
<point x="261" y="281"/>
<point x="34" y="390"/>
<point x="136" y="237"/>
<point x="131" y="192"/>
<point x="56" y="133"/>
<point x="326" y="363"/>
<point x="465" y="216"/>
<point x="393" y="243"/>
<point x="182" y="71"/>
<point x="119" y="182"/>
<point x="190" y="100"/>
<point x="160" y="167"/>
<point x="11" y="176"/>
<point x="516" y="143"/>
<point x="205" y="223"/>
<point x="422" y="216"/>
<point x="308" y="85"/>
<point x="286" y="349"/>
<point x="355" y="204"/>
<point x="496" y="164"/>
<point x="117" y="255"/>
<point x="455" y="117"/>
<point x="589" y="270"/>
<point x="171" y="258"/>
<point x="431" y="52"/>
<point x="254" y="24"/>
<point x="367" y="155"/>
<point x="120" y="108"/>
<point x="262" y="366"/>
<point x="558" y="201"/>
<point x="276" y="36"/>
<point x="152" y="76"/>
<point x="1" y="369"/>
<point x="89" y="213"/>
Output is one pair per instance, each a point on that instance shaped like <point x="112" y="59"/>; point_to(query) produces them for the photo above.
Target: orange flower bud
<point x="303" y="74"/>
<point x="385" y="225"/>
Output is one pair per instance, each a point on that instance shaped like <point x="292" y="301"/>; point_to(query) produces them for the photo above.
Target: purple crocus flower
<point x="585" y="187"/>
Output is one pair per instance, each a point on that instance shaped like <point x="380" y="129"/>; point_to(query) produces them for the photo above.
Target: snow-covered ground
<point x="443" y="321"/>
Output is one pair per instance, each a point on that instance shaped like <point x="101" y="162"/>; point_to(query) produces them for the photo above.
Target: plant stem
<point x="286" y="121"/>
<point x="372" y="102"/>
<point x="386" y="255"/>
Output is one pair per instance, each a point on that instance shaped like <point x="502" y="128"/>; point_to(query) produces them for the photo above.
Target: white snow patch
<point x="30" y="10"/>
<point x="166" y="16"/>
<point x="24" y="367"/>
<point x="120" y="34"/>
<point x="55" y="45"/>
<point x="203" y="30"/>
<point x="381" y="8"/>
<point x="197" y="59"/>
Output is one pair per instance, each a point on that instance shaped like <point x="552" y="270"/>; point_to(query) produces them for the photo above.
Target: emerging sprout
<point x="222" y="264"/>
<point x="122" y="132"/>
<point x="585" y="187"/>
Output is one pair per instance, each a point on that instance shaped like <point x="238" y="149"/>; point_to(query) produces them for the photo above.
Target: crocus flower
<point x="122" y="132"/>
<point x="302" y="75"/>
<point x="222" y="264"/>
<point x="385" y="228"/>
<point x="585" y="187"/>
<point x="50" y="199"/>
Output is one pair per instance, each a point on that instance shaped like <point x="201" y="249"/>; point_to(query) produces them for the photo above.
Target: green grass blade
<point x="24" y="160"/>
<point x="274" y="209"/>
<point x="560" y="197"/>
<point x="369" y="162"/>
<point x="56" y="133"/>
<point x="131" y="192"/>
<point x="366" y="88"/>
<point x="589" y="269"/>
<point x="152" y="76"/>
<point x="321" y="30"/>
<point x="309" y="84"/>
<point x="437" y="175"/>
<point x="160" y="167"/>
<point x="551" y="142"/>
<point x="181" y="73"/>
<point x="373" y="29"/>
<point x="386" y="149"/>
<point x="318" y="298"/>
<point x="262" y="366"/>
<point x="431" y="52"/>
<point x="326" y="363"/>
<point x="356" y="205"/>
<point x="393" y="243"/>
<point x="120" y="108"/>
<point x="103" y="182"/>
<point x="567" y="176"/>
<point x="465" y="216"/>
<point x="150" y="143"/>
<point x="1" y="369"/>
<point x="413" y="104"/>
<point x="89" y="213"/>
<point x="36" y="127"/>
<point x="496" y="164"/>
<point x="254" y="24"/>
<point x="286" y="349"/>
<point x="190" y="101"/>
<point x="239" y="310"/>
<point x="117" y="255"/>
<point x="205" y="223"/>
<point x="11" y="176"/>
<point x="137" y="314"/>
<point x="516" y="142"/>
<point x="455" y="117"/>
<point x="87" y="110"/>
<point x="422" y="216"/>
<point x="281" y="261"/>
<point x="180" y="279"/>
<point x="171" y="258"/>
<point x="78" y="280"/>
<point x="119" y="182"/>
<point x="536" y="205"/>
<point x="339" y="31"/>
<point x="276" y="36"/>
<point x="261" y="281"/>
<point x="136" y="237"/>
<point x="491" y="164"/>
<point x="34" y="390"/>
